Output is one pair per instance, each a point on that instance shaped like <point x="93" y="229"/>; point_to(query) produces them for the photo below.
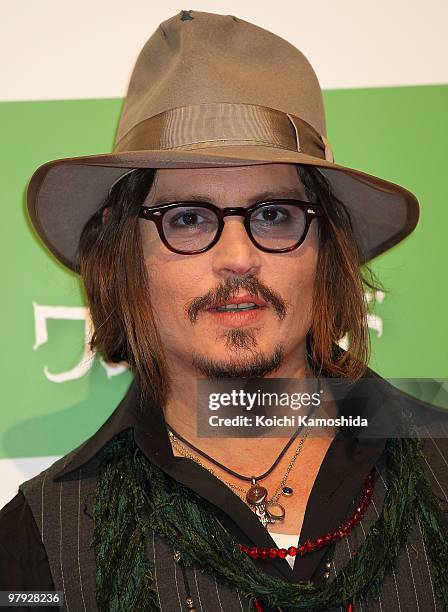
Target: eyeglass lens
<point x="273" y="226"/>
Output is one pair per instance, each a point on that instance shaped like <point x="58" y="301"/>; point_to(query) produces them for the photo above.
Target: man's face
<point x="258" y="342"/>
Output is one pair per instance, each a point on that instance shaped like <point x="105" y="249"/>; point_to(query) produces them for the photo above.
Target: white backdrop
<point x="349" y="43"/>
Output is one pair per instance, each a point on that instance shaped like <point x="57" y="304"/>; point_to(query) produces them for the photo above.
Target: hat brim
<point x="64" y="193"/>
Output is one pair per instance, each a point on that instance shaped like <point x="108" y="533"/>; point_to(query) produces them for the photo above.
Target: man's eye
<point x="271" y="214"/>
<point x="186" y="218"/>
<point x="191" y="217"/>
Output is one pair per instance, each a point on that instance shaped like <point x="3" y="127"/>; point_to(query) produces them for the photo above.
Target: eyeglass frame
<point x="156" y="214"/>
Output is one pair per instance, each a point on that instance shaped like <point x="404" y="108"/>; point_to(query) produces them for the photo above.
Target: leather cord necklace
<point x="268" y="511"/>
<point x="232" y="472"/>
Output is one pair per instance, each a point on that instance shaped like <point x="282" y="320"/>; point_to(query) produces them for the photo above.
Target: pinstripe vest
<point x="63" y="512"/>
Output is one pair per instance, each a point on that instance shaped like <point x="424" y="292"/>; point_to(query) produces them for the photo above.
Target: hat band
<point x="216" y="124"/>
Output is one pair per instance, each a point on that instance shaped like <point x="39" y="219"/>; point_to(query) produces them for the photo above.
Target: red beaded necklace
<point x="332" y="536"/>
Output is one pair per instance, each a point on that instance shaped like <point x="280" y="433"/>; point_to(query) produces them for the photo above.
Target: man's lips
<point x="239" y="300"/>
<point x="238" y="318"/>
<point x="265" y="300"/>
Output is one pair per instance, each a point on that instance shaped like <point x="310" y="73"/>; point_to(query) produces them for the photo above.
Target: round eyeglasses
<point x="188" y="228"/>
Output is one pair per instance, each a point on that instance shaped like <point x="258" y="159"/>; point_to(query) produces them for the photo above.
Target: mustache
<point x="230" y="288"/>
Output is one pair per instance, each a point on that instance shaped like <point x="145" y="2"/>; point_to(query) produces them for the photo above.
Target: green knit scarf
<point x="133" y="497"/>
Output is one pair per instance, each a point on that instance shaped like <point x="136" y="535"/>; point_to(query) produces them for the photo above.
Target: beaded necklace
<point x="324" y="540"/>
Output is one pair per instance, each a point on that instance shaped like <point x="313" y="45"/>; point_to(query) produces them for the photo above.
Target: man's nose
<point x="234" y="250"/>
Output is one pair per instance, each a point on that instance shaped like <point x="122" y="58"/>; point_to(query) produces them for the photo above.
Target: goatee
<point x="256" y="366"/>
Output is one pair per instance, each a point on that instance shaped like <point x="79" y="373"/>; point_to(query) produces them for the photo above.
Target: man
<point x="221" y="241"/>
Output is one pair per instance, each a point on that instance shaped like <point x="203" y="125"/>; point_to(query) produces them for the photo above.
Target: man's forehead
<point x="247" y="182"/>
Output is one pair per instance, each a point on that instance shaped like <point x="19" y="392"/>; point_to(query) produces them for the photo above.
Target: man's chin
<point x="242" y="364"/>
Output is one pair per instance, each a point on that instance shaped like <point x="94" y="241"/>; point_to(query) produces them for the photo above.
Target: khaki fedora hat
<point x="211" y="90"/>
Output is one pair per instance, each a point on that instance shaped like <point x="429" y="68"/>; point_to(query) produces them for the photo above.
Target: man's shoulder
<point x="429" y="419"/>
<point x="45" y="477"/>
<point x="430" y="422"/>
<point x="42" y="494"/>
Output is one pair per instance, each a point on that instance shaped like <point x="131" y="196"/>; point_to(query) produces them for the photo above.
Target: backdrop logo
<point x="374" y="322"/>
<point x="70" y="313"/>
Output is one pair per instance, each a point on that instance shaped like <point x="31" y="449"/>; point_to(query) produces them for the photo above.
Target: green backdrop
<point x="397" y="133"/>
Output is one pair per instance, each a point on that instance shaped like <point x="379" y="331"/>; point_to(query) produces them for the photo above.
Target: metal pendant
<point x="257" y="494"/>
<point x="267" y="511"/>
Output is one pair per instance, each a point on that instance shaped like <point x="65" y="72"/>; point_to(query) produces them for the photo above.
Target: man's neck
<point x="240" y="454"/>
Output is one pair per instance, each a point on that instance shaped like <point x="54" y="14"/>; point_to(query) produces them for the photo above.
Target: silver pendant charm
<point x="263" y="516"/>
<point x="270" y="513"/>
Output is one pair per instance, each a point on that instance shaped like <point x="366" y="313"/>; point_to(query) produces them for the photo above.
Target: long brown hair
<point x="340" y="307"/>
<point x="118" y="294"/>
